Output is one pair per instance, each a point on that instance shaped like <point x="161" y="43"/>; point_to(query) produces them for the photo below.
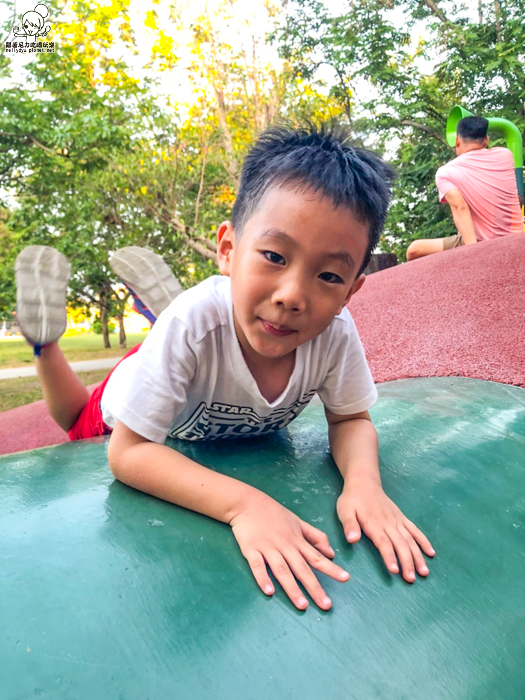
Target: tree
<point x="96" y="159"/>
<point x="8" y="248"/>
<point x="396" y="91"/>
<point x="74" y="117"/>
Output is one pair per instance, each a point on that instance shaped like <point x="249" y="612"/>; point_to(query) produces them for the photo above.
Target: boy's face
<point x="292" y="270"/>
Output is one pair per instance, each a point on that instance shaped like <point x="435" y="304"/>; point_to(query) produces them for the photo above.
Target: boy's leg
<point x="42" y="276"/>
<point x="64" y="393"/>
<point x="147" y="277"/>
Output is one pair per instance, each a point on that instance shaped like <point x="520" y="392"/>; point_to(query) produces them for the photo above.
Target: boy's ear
<point x="225" y="246"/>
<point x="356" y="286"/>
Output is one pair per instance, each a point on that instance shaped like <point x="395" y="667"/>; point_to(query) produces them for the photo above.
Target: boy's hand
<point x="369" y="509"/>
<point x="270" y="534"/>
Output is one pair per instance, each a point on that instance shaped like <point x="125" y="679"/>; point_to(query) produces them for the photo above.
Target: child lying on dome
<point x="243" y="353"/>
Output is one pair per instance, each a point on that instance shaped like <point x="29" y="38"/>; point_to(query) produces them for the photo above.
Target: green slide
<point x="108" y="594"/>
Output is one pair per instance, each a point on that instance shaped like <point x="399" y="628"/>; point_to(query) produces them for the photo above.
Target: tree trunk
<point x="104" y="318"/>
<point x="121" y="329"/>
<point x="498" y="24"/>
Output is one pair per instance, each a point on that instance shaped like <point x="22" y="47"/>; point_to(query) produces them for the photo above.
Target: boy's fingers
<point x="386" y="550"/>
<point x="306" y="576"/>
<point x="420" y="538"/>
<point x="282" y="573"/>
<point x="419" y="559"/>
<point x="260" y="572"/>
<point x="324" y="565"/>
<point x="317" y="538"/>
<point x="404" y="554"/>
<point x="352" y="530"/>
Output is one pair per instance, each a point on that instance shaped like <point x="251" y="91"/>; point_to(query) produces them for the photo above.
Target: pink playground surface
<point x="459" y="313"/>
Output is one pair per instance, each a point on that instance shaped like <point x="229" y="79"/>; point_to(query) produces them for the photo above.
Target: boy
<point x="242" y="354"/>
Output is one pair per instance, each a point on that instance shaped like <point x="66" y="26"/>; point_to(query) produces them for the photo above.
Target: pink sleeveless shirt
<point x="486" y="178"/>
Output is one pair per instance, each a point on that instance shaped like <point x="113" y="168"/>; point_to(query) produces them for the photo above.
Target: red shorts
<point x="89" y="423"/>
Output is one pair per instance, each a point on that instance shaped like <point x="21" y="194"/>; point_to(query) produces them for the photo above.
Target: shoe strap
<point x="37" y="349"/>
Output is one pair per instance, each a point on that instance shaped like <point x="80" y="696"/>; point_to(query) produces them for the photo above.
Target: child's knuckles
<point x="316" y="559"/>
<point x="281" y="570"/>
<point x="350" y="523"/>
<point x="300" y="569"/>
<point x="257" y="565"/>
<point x="382" y="541"/>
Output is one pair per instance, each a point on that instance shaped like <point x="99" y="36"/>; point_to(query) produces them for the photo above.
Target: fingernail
<point x="394" y="569"/>
<point x="351" y="535"/>
<point x="344" y="575"/>
<point x="411" y="576"/>
<point x="432" y="551"/>
<point x="424" y="570"/>
<point x="326" y="601"/>
<point x="301" y="601"/>
<point x="331" y="551"/>
<point x="268" y="589"/>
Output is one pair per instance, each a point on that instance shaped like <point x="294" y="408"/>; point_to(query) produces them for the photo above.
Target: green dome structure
<point x="108" y="593"/>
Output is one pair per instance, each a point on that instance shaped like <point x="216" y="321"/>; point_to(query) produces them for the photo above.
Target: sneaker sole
<point x="42" y="276"/>
<point x="147" y="275"/>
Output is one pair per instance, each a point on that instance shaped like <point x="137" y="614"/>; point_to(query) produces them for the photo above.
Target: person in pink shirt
<point x="480" y="187"/>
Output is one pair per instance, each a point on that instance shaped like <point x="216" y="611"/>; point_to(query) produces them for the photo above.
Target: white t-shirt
<point x="189" y="379"/>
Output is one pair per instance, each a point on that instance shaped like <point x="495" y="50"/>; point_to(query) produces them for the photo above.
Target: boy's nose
<point x="292" y="295"/>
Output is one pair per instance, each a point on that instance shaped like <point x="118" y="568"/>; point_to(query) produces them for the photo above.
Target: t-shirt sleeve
<point x="348" y="386"/>
<point x="444" y="182"/>
<point x="151" y="391"/>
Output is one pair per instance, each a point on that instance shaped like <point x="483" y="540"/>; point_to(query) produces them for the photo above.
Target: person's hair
<point x="472" y="128"/>
<point x="321" y="158"/>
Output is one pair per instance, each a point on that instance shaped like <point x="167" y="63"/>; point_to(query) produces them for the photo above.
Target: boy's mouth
<point x="276" y="329"/>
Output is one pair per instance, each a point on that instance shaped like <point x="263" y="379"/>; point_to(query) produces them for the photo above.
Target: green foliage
<point x="96" y="326"/>
<point x="465" y="55"/>
<point x="96" y="160"/>
<point x="8" y="251"/>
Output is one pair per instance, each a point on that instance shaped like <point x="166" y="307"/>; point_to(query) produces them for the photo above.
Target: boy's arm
<point x="364" y="505"/>
<point x="267" y="533"/>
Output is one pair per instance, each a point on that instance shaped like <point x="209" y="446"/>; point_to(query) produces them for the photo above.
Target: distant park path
<point x="83" y="366"/>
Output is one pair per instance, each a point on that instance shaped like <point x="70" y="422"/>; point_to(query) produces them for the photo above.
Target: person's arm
<point x="461" y="215"/>
<point x="363" y="505"/>
<point x="267" y="532"/>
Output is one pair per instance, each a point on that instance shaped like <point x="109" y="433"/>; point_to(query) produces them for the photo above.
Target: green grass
<point x="86" y="346"/>
<point x="19" y="392"/>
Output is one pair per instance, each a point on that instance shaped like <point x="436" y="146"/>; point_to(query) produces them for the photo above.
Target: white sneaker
<point x="147" y="276"/>
<point x="42" y="276"/>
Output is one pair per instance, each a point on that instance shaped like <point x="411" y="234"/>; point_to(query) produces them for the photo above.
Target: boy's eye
<point x="273" y="257"/>
<point x="333" y="278"/>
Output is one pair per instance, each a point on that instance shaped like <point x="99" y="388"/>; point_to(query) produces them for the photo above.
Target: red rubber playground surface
<point x="458" y="313"/>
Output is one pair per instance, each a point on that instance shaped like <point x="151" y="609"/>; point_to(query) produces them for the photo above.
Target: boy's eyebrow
<point x="278" y="235"/>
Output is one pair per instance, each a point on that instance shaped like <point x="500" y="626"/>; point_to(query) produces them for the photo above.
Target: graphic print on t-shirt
<point x="223" y="420"/>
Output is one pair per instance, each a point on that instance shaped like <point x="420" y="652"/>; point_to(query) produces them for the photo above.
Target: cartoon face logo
<point x="34" y="23"/>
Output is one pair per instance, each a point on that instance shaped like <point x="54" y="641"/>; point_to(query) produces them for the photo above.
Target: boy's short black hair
<point x="324" y="159"/>
<point x="472" y="128"/>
